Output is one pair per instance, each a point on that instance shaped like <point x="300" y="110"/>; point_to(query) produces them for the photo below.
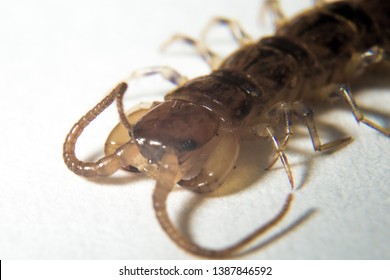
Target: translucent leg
<point x="267" y="131"/>
<point x="167" y="73"/>
<point x="287" y="119"/>
<point x="371" y="56"/>
<point x="273" y="7"/>
<point x="307" y="115"/>
<point x="233" y="26"/>
<point x="358" y="114"/>
<point x="212" y="59"/>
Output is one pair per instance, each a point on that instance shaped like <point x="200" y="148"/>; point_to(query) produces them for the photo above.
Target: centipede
<point x="262" y="90"/>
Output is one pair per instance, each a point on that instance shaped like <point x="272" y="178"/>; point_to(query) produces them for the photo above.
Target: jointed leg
<point x="285" y="109"/>
<point x="274" y="8"/>
<point x="233" y="26"/>
<point x="307" y="115"/>
<point x="268" y="132"/>
<point x="371" y="56"/>
<point x="358" y="114"/>
<point x="212" y="59"/>
<point x="287" y="117"/>
<point x="167" y="73"/>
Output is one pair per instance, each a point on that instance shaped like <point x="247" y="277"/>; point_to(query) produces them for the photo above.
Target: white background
<point x="57" y="60"/>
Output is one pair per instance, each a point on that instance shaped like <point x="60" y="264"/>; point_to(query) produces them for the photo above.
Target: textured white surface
<point x="58" y="58"/>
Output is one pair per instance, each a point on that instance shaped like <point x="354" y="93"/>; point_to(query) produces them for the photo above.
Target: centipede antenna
<point x="106" y="165"/>
<point x="164" y="186"/>
<point x="121" y="112"/>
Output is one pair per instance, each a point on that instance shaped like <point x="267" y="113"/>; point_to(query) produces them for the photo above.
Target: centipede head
<point x="191" y="132"/>
<point x="180" y="126"/>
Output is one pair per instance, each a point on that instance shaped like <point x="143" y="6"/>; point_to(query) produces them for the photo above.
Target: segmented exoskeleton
<point x="193" y="137"/>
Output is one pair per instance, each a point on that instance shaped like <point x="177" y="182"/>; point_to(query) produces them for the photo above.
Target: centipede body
<point x="289" y="69"/>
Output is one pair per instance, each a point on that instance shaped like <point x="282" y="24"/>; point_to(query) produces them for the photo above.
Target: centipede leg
<point x="287" y="119"/>
<point x="358" y="114"/>
<point x="237" y="32"/>
<point x="212" y="59"/>
<point x="278" y="149"/>
<point x="165" y="72"/>
<point x="307" y="115"/>
<point x="273" y="7"/>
